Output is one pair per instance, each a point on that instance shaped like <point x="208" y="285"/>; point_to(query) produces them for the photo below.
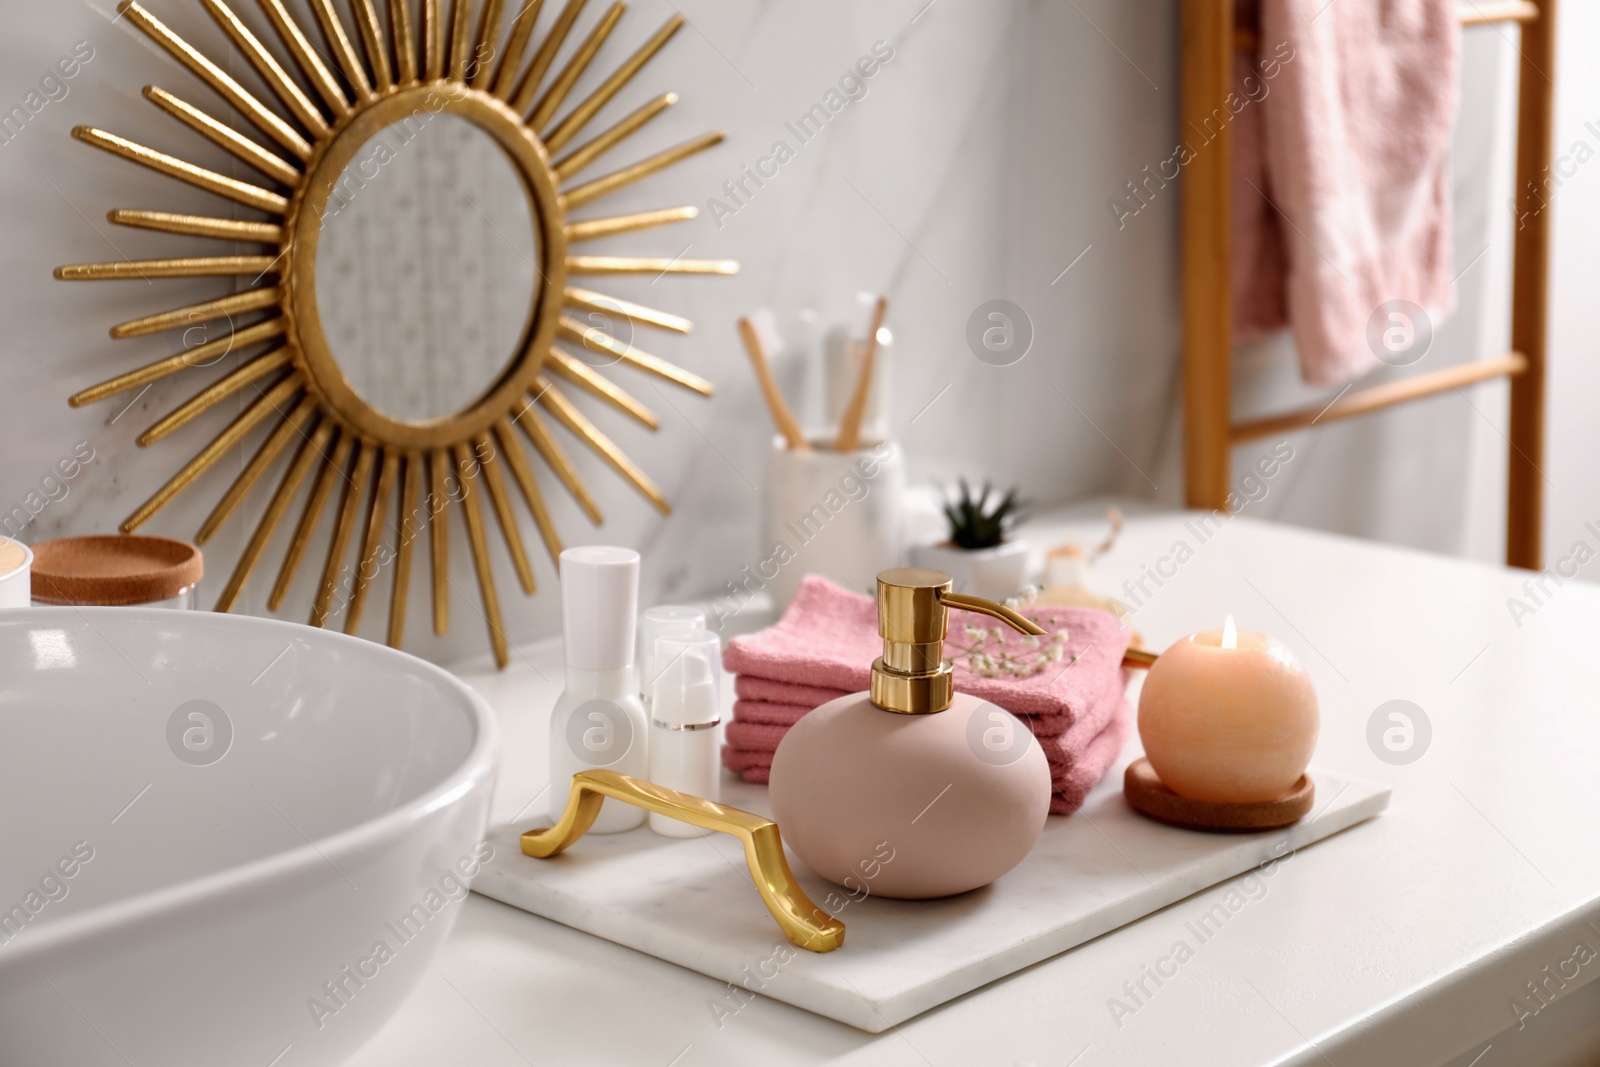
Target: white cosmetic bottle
<point x="598" y="721"/>
<point x="686" y="708"/>
<point x="664" y="618"/>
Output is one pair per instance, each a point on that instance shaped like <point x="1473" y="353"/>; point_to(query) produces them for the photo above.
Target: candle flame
<point x="1230" y="634"/>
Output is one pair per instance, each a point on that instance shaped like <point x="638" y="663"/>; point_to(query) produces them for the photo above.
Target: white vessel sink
<point x="170" y="895"/>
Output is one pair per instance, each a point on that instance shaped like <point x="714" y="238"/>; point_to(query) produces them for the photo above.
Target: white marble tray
<point x="691" y="902"/>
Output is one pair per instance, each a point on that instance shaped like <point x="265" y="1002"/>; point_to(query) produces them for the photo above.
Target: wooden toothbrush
<point x="849" y="438"/>
<point x="781" y="415"/>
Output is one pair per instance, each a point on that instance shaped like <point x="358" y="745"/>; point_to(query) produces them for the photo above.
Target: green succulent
<point x="975" y="522"/>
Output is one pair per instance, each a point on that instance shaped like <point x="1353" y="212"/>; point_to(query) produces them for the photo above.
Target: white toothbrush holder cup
<point x="840" y="515"/>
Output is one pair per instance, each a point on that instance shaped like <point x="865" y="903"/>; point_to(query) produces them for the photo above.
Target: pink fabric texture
<point x="823" y="648"/>
<point x="1341" y="199"/>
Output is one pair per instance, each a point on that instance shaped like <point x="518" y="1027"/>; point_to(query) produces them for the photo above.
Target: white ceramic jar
<point x="16" y="562"/>
<point x="840" y="515"/>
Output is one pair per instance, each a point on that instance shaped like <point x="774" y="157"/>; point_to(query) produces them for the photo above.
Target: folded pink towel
<point x="824" y="645"/>
<point x="1341" y="175"/>
<point x="828" y="638"/>
<point x="767" y="713"/>
<point x="750" y="687"/>
<point x="759" y="726"/>
<point x="1068" y="793"/>
<point x="1070" y="782"/>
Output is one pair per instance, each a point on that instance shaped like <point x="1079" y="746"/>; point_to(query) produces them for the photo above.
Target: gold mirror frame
<point x="452" y="63"/>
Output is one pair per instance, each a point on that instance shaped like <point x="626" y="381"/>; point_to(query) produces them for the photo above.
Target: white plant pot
<point x="839" y="515"/>
<point x="996" y="573"/>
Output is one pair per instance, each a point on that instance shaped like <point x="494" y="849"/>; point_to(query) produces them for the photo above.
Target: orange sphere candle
<point x="1228" y="717"/>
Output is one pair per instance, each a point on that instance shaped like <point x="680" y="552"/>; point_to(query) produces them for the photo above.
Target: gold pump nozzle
<point x="912" y="677"/>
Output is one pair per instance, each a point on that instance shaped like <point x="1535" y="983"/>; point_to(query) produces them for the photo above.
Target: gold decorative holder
<point x="807" y="925"/>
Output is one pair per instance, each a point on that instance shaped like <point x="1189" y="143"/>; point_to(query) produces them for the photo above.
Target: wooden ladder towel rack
<point x="1210" y="38"/>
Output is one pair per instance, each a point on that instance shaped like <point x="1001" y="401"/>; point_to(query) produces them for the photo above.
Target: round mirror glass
<point x="426" y="276"/>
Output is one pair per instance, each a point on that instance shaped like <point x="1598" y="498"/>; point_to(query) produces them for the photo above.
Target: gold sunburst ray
<point x="528" y="86"/>
<point x="612" y="225"/>
<point x="607" y="139"/>
<point x="483" y="43"/>
<point x="374" y="44"/>
<point x="250" y="371"/>
<point x="555" y="457"/>
<point x="371" y="540"/>
<point x="584" y="377"/>
<point x="344" y="53"/>
<point x="266" y="65"/>
<point x="591" y="191"/>
<point x="226" y="137"/>
<point x="344" y="526"/>
<point x="329" y="469"/>
<point x="306" y="57"/>
<point x="305" y="415"/>
<point x="244" y="102"/>
<point x="573" y="331"/>
<point x="570" y="126"/>
<point x="494" y="482"/>
<point x="439" y="539"/>
<point x="522" y="474"/>
<point x="599" y="304"/>
<point x="264" y="200"/>
<point x="567" y="414"/>
<point x="310" y="451"/>
<point x="198" y="356"/>
<point x="322" y="102"/>
<point x="220" y="229"/>
<point x="479" y="544"/>
<point x="545" y="110"/>
<point x="406" y="527"/>
<point x="207" y="311"/>
<point x="509" y="62"/>
<point x="648" y="265"/>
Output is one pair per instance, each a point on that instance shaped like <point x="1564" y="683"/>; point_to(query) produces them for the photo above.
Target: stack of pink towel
<point x="824" y="645"/>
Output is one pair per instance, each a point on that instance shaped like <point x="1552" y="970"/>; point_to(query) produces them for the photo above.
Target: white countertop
<point x="1404" y="941"/>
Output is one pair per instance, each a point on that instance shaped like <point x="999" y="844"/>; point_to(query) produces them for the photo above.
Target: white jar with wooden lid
<point x="113" y="570"/>
<point x="15" y="564"/>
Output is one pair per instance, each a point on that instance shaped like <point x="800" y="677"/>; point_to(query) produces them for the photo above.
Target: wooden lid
<point x="114" y="570"/>
<point x="13" y="556"/>
<point x="1148" y="795"/>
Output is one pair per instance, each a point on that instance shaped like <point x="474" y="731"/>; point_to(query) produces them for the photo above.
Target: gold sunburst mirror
<point x="323" y="386"/>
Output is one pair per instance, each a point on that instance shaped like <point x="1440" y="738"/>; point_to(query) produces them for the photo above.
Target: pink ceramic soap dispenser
<point x="912" y="790"/>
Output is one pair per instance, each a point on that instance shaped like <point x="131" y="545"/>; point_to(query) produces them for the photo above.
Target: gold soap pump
<point x="912" y="790"/>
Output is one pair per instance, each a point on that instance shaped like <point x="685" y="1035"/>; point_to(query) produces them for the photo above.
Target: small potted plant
<point x="980" y="555"/>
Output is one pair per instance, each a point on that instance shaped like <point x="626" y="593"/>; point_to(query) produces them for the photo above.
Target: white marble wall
<point x="977" y="165"/>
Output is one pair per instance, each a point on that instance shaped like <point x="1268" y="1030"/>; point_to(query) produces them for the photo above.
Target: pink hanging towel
<point x="1341" y="198"/>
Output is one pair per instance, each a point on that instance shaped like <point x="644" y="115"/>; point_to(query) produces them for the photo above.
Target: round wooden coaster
<point x="1148" y="796"/>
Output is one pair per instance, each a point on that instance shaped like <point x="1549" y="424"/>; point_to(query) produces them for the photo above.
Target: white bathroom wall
<point x="978" y="165"/>
<point x="924" y="188"/>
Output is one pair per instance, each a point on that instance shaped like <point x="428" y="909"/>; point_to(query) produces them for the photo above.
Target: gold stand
<point x="802" y="921"/>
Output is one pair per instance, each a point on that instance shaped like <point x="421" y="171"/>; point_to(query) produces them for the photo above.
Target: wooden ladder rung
<point x="1479" y="13"/>
<point x="1383" y="396"/>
